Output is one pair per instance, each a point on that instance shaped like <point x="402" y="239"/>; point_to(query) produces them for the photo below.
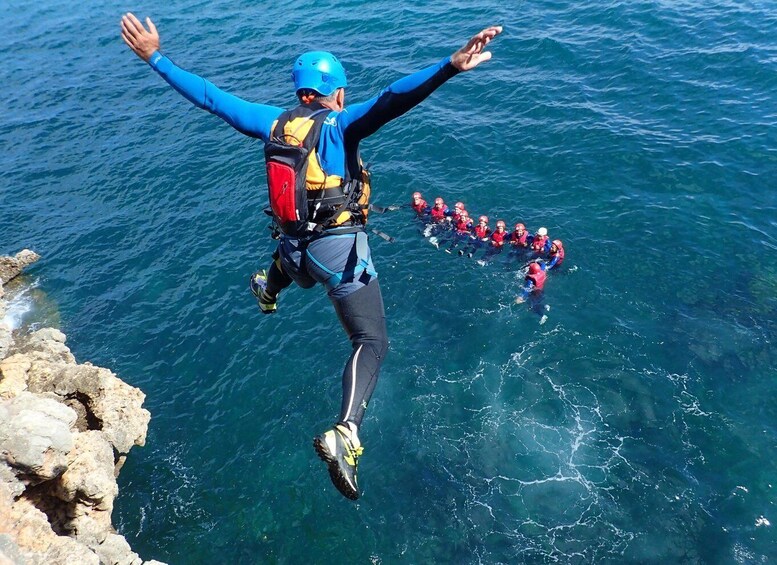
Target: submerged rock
<point x="65" y="430"/>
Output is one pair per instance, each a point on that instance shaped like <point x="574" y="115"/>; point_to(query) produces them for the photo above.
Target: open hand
<point x="142" y="41"/>
<point x="472" y="54"/>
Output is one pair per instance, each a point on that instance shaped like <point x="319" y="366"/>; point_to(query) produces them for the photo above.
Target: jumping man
<point x="323" y="240"/>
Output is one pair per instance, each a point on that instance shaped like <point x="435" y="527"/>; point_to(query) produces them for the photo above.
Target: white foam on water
<point x="18" y="306"/>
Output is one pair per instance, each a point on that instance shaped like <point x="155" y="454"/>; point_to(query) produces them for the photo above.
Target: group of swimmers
<point x="542" y="253"/>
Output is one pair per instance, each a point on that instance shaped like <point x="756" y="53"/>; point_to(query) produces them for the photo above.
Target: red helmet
<point x="483" y="219"/>
<point x="534" y="268"/>
<point x="520" y="226"/>
<point x="558" y="244"/>
<point x="416" y="195"/>
<point x="459" y="206"/>
<point x="439" y="201"/>
<point x="500" y="224"/>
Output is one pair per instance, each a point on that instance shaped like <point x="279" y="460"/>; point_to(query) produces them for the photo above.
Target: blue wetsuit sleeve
<point x="254" y="120"/>
<point x="527" y="288"/>
<point x="552" y="263"/>
<point x="362" y="120"/>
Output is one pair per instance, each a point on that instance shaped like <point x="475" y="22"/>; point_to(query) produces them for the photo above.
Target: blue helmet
<point x="319" y="71"/>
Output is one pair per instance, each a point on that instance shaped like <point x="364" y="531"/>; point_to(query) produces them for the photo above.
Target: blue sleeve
<point x="552" y="263"/>
<point x="527" y="288"/>
<point x="362" y="120"/>
<point x="254" y="120"/>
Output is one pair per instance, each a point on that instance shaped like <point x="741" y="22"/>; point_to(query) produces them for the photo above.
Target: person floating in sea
<point x="532" y="290"/>
<point x="419" y="204"/>
<point x="498" y="239"/>
<point x="555" y="254"/>
<point x="438" y="215"/>
<point x="540" y="244"/>
<point x="330" y="246"/>
<point x="481" y="234"/>
<point x="439" y="211"/>
<point x="458" y="210"/>
<point x="462" y="231"/>
<point x="519" y="237"/>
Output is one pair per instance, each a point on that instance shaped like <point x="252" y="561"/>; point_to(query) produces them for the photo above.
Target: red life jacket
<point x="457" y="215"/>
<point x="438" y="214"/>
<point x="498" y="238"/>
<point x="538" y="279"/>
<point x="539" y="243"/>
<point x="420" y="208"/>
<point x="482" y="231"/>
<point x="463" y="225"/>
<point x="516" y="240"/>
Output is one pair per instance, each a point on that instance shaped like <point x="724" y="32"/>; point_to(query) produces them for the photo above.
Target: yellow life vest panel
<point x="325" y="201"/>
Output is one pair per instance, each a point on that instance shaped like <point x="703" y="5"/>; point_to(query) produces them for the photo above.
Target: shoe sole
<point x="334" y="470"/>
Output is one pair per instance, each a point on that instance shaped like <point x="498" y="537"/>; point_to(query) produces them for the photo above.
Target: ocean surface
<point x="638" y="425"/>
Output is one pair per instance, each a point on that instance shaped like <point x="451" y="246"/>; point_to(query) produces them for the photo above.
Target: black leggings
<point x="363" y="318"/>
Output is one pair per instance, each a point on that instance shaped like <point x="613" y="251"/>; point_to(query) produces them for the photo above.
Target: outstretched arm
<point x="251" y="119"/>
<point x="362" y="120"/>
<point x="526" y="289"/>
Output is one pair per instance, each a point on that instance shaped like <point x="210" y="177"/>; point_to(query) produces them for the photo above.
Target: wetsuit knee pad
<point x="378" y="347"/>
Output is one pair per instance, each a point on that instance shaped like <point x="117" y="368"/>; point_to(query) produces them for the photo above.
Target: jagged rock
<point x="89" y="488"/>
<point x="116" y="551"/>
<point x="47" y="345"/>
<point x="32" y="540"/>
<point x="11" y="267"/>
<point x="13" y="376"/>
<point x="111" y="405"/>
<point x="8" y="478"/>
<point x="102" y="400"/>
<point x="35" y="437"/>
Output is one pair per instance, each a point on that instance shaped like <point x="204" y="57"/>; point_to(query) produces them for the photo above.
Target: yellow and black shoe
<point x="340" y="449"/>
<point x="258" y="285"/>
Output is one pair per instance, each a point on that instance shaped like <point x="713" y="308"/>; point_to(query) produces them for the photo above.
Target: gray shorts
<point x="341" y="262"/>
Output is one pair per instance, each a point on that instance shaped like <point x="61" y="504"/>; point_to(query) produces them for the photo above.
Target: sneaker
<point x="340" y="449"/>
<point x="258" y="285"/>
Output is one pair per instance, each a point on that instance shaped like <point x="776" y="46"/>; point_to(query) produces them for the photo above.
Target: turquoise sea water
<point x="637" y="425"/>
